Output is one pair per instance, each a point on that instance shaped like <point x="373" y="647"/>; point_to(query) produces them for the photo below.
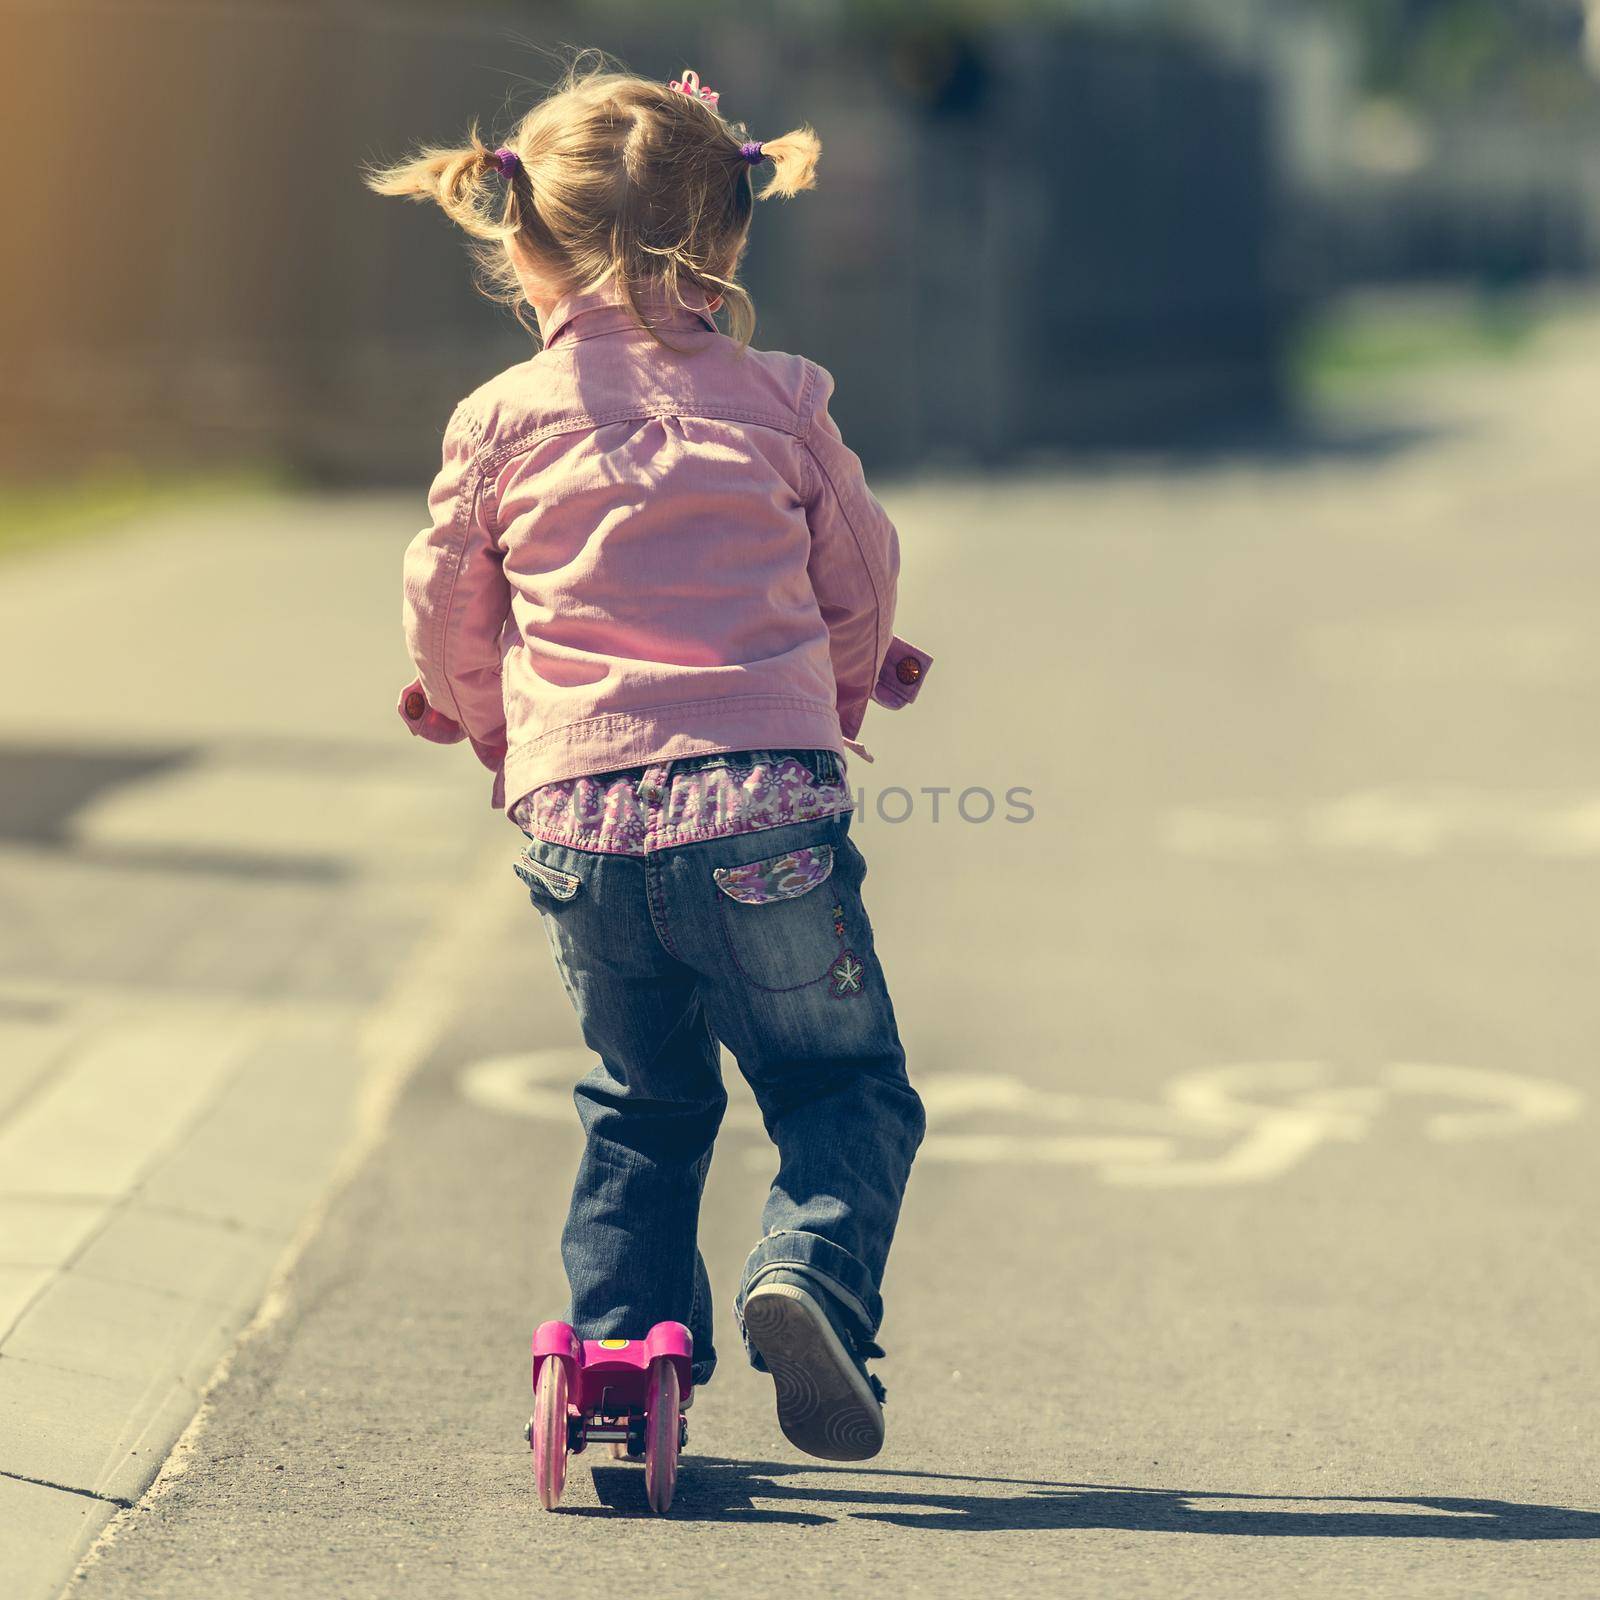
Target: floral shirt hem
<point x="654" y="808"/>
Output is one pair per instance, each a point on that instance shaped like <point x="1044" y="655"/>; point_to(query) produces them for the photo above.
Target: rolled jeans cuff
<point x="835" y="1269"/>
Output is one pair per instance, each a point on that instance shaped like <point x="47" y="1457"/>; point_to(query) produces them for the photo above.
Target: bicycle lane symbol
<point x="1239" y="1123"/>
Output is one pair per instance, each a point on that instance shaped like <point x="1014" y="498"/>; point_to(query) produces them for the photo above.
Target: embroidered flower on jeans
<point x="846" y="974"/>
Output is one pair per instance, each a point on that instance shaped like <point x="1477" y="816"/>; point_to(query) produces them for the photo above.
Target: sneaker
<point x="829" y="1405"/>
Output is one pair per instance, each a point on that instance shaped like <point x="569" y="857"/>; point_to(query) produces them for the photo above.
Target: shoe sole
<point x="825" y="1406"/>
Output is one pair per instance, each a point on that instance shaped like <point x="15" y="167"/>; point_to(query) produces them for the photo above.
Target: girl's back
<point x="664" y="524"/>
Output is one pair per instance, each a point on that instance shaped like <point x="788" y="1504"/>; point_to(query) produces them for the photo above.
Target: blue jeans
<point x="661" y="965"/>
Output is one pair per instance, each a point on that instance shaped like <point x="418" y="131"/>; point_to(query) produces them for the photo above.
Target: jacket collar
<point x="601" y="309"/>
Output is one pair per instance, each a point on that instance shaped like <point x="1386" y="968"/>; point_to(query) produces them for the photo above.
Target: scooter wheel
<point x="661" y="1434"/>
<point x="548" y="1434"/>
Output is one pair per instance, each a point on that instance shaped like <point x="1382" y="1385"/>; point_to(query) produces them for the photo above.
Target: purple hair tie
<point x="752" y="152"/>
<point x="507" y="161"/>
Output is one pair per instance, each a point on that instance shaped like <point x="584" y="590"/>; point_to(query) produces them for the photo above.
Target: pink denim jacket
<point x="637" y="555"/>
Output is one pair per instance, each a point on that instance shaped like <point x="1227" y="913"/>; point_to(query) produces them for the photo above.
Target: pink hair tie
<point x="689" y="84"/>
<point x="507" y="161"/>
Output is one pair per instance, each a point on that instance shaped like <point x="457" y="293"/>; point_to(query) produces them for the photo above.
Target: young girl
<point x="656" y="596"/>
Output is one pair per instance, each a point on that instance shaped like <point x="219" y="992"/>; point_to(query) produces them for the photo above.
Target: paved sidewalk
<point x="229" y="885"/>
<point x="1245" y="1255"/>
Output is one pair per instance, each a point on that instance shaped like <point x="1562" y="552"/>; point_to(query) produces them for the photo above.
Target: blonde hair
<point x="619" y="176"/>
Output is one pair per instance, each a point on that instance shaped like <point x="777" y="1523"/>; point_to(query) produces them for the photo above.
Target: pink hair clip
<point x="689" y="84"/>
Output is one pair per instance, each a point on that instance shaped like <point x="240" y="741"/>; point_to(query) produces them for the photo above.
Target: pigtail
<point x="612" y="179"/>
<point x="794" y="163"/>
<point x="468" y="184"/>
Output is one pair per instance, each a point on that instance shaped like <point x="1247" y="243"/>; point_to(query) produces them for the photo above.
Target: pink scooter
<point x="628" y="1393"/>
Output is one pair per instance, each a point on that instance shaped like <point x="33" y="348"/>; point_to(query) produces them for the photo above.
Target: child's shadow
<point x="714" y="1489"/>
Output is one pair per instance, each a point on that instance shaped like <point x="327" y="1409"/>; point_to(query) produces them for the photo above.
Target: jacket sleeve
<point x="456" y="602"/>
<point x="854" y="569"/>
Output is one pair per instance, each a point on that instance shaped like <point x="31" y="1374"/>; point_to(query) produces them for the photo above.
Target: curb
<point x="107" y="1369"/>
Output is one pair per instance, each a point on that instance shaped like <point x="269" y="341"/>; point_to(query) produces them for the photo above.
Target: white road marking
<point x="1413" y="651"/>
<point x="1509" y="1103"/>
<point x="1407" y="823"/>
<point x="1062" y="1151"/>
<point x="536" y="1083"/>
<point x="1237" y="1123"/>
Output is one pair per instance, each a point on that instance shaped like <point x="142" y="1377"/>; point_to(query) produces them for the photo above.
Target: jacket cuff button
<point x="416" y="704"/>
<point x="908" y="669"/>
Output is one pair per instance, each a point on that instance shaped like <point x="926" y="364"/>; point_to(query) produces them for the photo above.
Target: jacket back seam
<point x="735" y="703"/>
<point x="494" y="456"/>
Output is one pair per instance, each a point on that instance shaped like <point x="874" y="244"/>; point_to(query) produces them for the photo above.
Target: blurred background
<point x="1110" y="222"/>
<point x="1229" y="370"/>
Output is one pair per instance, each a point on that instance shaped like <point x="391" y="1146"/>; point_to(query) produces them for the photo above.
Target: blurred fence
<point x="1496" y="201"/>
<point x="1023" y="237"/>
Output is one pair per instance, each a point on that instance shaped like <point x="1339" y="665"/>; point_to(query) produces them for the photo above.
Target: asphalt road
<point x="1253" y="1246"/>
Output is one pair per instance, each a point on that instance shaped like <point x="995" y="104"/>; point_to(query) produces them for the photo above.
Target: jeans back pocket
<point x="781" y="921"/>
<point x="544" y="880"/>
